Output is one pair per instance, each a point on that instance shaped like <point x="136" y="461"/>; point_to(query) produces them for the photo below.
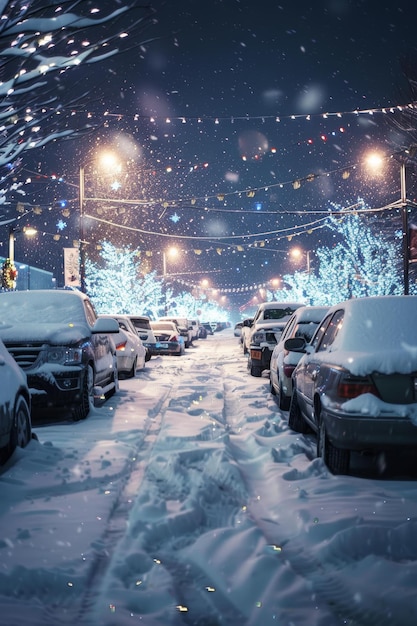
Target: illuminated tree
<point x="364" y="262"/>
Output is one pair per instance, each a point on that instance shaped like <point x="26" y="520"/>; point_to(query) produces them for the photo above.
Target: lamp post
<point x="171" y="252"/>
<point x="375" y="161"/>
<point x="82" y="231"/>
<point x="404" y="221"/>
<point x="110" y="161"/>
<point x="297" y="253"/>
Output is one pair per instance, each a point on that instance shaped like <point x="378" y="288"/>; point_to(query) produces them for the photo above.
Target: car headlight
<point x="258" y="338"/>
<point x="64" y="356"/>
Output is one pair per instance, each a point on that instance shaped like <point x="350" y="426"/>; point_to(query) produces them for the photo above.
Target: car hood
<point x="55" y="334"/>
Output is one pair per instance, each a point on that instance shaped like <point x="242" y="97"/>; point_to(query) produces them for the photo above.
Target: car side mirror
<point x="295" y="344"/>
<point x="105" y="325"/>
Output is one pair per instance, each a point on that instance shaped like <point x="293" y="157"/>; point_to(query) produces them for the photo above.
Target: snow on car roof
<point x="378" y="334"/>
<point x="279" y="305"/>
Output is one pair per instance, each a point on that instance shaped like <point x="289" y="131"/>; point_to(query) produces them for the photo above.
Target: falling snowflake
<point x="61" y="224"/>
<point x="115" y="186"/>
<point x="175" y="218"/>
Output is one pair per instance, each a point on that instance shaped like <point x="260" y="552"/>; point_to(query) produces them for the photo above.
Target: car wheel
<point x="81" y="410"/>
<point x="115" y="381"/>
<point x="147" y="356"/>
<point x="245" y="350"/>
<point x="295" y="420"/>
<point x="132" y="371"/>
<point x="283" y="400"/>
<point x="21" y="432"/>
<point x="272" y="388"/>
<point x="336" y="459"/>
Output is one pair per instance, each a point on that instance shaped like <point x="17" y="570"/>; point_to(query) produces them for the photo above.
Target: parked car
<point x="265" y="331"/>
<point x="66" y="351"/>
<point x="237" y="331"/>
<point x="168" y="338"/>
<point x="130" y="351"/>
<point x="208" y="328"/>
<point x="195" y="328"/>
<point x="356" y="384"/>
<point x="246" y="333"/>
<point x="184" y="326"/>
<point x="202" y="331"/>
<point x="302" y="323"/>
<point x="15" y="422"/>
<point x="142" y="324"/>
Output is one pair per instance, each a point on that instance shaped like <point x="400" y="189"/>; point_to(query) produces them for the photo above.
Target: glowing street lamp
<point x="375" y="161"/>
<point x="297" y="254"/>
<point x="171" y="253"/>
<point x="109" y="162"/>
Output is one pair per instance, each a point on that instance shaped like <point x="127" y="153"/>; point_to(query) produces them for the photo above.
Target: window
<point x="325" y="339"/>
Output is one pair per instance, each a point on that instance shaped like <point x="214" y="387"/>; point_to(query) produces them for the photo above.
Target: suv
<point x="266" y="328"/>
<point x="184" y="326"/>
<point x="66" y="351"/>
<point x="143" y="328"/>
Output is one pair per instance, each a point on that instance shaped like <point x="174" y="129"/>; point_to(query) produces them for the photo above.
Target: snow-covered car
<point x="66" y="351"/>
<point x="356" y="383"/>
<point x="237" y="330"/>
<point x="267" y="325"/>
<point x="169" y="339"/>
<point x="302" y="323"/>
<point x="184" y="326"/>
<point x="142" y="325"/>
<point x="130" y="351"/>
<point x="195" y="328"/>
<point x="15" y="421"/>
<point x="208" y="328"/>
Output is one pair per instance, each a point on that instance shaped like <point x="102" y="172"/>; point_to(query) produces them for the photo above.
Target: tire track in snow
<point x="70" y="612"/>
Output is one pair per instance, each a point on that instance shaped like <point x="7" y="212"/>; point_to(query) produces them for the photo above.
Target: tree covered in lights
<point x="117" y="284"/>
<point x="363" y="262"/>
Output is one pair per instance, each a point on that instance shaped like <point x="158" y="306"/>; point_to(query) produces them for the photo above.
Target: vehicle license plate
<point x="256" y="354"/>
<point x="163" y="344"/>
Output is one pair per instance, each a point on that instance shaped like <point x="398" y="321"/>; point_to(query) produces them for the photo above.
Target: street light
<point x="170" y="253"/>
<point x="297" y="253"/>
<point x="110" y="161"/>
<point x="375" y="161"/>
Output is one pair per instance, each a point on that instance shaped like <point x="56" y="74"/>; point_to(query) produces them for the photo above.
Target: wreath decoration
<point x="9" y="275"/>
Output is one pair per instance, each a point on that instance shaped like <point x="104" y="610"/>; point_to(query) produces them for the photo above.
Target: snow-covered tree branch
<point x="42" y="43"/>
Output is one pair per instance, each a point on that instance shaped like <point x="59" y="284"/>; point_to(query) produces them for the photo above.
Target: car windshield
<point x="162" y="326"/>
<point x="27" y="307"/>
<point x="278" y="314"/>
<point x="139" y="322"/>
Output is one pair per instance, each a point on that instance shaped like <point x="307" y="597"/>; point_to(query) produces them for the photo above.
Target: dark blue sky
<point x="223" y="72"/>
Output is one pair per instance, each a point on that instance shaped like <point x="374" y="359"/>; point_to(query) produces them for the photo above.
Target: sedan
<point x="302" y="323"/>
<point x="168" y="338"/>
<point x="356" y="384"/>
<point x="15" y="423"/>
<point x="130" y="351"/>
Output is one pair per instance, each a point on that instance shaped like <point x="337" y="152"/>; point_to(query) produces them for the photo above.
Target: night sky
<point x="249" y="163"/>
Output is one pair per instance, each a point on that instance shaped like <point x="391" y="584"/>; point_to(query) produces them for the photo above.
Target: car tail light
<point x="351" y="387"/>
<point x="174" y="338"/>
<point x="288" y="370"/>
<point x="121" y="345"/>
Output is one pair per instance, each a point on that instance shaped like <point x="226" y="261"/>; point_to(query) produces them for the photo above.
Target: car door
<point x="312" y="369"/>
<point x="103" y="348"/>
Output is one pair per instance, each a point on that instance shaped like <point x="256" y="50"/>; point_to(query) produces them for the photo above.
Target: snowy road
<point x="185" y="499"/>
